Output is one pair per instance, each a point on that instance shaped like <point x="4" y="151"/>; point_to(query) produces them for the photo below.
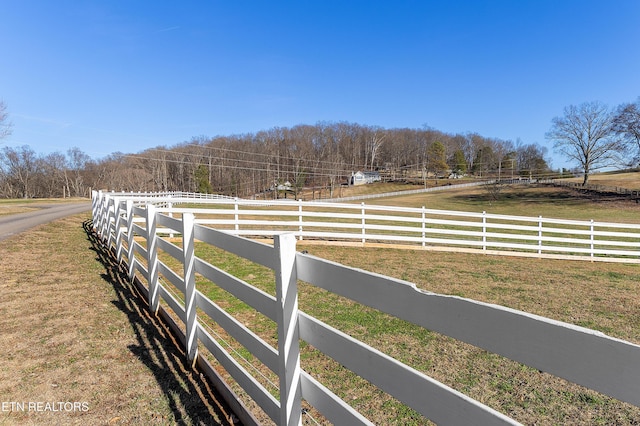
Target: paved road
<point x="16" y="223"/>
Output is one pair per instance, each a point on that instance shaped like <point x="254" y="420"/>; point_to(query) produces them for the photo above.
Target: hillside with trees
<point x="306" y="156"/>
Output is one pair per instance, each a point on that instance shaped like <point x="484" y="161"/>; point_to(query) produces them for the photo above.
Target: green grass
<point x="600" y="296"/>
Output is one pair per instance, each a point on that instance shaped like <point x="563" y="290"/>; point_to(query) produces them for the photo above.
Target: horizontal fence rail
<point x="132" y="231"/>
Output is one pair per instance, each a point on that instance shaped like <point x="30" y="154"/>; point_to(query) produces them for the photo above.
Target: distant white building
<point x="361" y="178"/>
<point x="284" y="186"/>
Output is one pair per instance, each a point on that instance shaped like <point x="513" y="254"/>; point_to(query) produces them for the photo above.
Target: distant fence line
<point x="424" y="228"/>
<point x="398" y="193"/>
<point x="131" y="233"/>
<point x="607" y="189"/>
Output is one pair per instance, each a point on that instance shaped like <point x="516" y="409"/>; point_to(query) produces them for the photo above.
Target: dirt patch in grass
<point x="78" y="346"/>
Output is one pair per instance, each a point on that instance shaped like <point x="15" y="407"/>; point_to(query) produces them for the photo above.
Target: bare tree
<point x="53" y="172"/>
<point x="20" y="167"/>
<point x="584" y="134"/>
<point x="374" y="138"/>
<point x="5" y="124"/>
<point x="76" y="164"/>
<point x="530" y="160"/>
<point x="626" y="123"/>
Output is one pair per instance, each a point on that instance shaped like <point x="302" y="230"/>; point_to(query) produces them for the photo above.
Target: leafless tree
<point x="20" y="168"/>
<point x="52" y="182"/>
<point x="5" y="124"/>
<point x="584" y="134"/>
<point x="317" y="156"/>
<point x="626" y="123"/>
<point x="374" y="138"/>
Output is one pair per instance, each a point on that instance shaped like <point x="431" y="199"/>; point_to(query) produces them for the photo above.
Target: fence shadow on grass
<point x="191" y="398"/>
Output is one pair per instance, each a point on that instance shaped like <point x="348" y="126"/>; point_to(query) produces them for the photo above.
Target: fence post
<point x="484" y="231"/>
<point x="424" y="224"/>
<point x="97" y="217"/>
<point x="188" y="250"/>
<point x="288" y="333"/>
<point x="237" y="223"/>
<point x="130" y="240"/>
<point x="104" y="217"/>
<point x="592" y="240"/>
<point x="152" y="258"/>
<point x="300" y="219"/>
<point x="363" y="223"/>
<point x="539" y="235"/>
<point x="170" y="207"/>
<point x="108" y="224"/>
<point x="94" y="206"/>
<point x="104" y="210"/>
<point x="118" y="230"/>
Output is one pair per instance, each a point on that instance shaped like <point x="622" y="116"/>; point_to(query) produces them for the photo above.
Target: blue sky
<point x="107" y="76"/>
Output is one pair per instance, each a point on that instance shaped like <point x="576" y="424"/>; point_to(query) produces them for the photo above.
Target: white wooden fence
<point x="420" y="227"/>
<point x="580" y="355"/>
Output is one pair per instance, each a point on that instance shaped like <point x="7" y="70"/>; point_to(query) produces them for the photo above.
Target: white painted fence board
<point x="567" y="351"/>
<point x="329" y="404"/>
<point x="170" y="222"/>
<point x="616" y="234"/>
<point x="429" y="397"/>
<point x="252" y="250"/>
<point x="511" y="227"/>
<point x="448" y="231"/>
<point x="139" y="211"/>
<point x="139" y="230"/>
<point x="522" y="237"/>
<point x="170" y="248"/>
<point x="257" y="346"/>
<point x="252" y="296"/>
<point x="392" y="228"/>
<point x="143" y="270"/>
<point x="139" y="249"/>
<point x="567" y="231"/>
<point x="249" y="384"/>
<point x="626" y="226"/>
<point x="172" y="276"/>
<point x="448" y="222"/>
<point x="332" y="225"/>
<point x="271" y="223"/>
<point x="545" y="238"/>
<point x="173" y="303"/>
<point x="609" y="252"/>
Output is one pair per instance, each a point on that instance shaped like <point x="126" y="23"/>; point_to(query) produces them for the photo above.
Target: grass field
<point x="628" y="180"/>
<point x="601" y="296"/>
<point x="604" y="297"/>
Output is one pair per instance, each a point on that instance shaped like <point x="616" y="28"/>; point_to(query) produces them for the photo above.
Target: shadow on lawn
<point x="190" y="396"/>
<point x="532" y="194"/>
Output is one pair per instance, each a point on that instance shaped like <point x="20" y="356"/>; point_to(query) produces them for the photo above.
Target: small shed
<point x="361" y="178"/>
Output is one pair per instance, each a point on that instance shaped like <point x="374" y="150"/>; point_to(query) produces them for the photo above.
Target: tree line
<point x="322" y="156"/>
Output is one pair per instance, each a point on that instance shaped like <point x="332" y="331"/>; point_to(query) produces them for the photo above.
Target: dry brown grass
<point x="74" y="331"/>
<point x="628" y="180"/>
